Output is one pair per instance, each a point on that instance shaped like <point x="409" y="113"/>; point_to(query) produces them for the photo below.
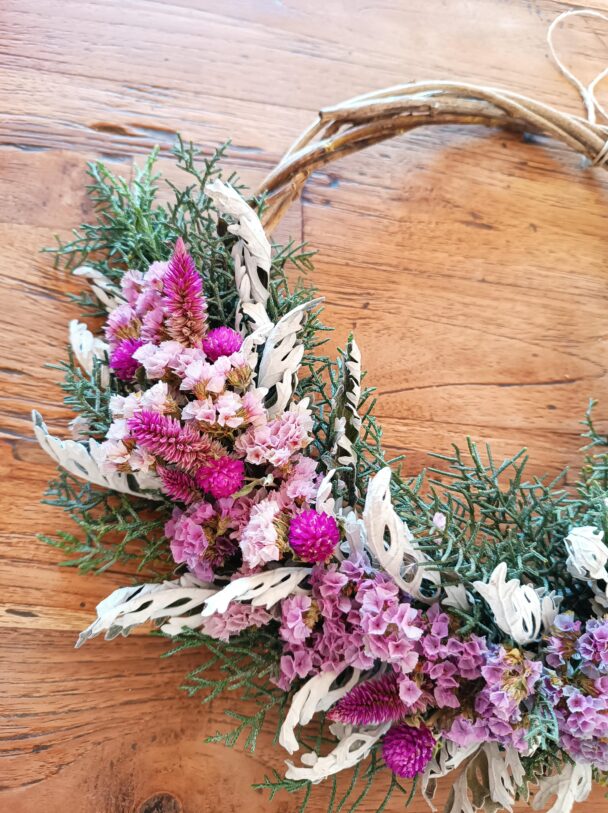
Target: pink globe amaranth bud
<point x="313" y="536"/>
<point x="222" y="477"/>
<point x="122" y="361"/>
<point x="408" y="750"/>
<point x="221" y="341"/>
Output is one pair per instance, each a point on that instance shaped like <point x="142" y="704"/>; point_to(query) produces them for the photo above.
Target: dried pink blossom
<point x="222" y="341"/>
<point x="313" y="536"/>
<point x="165" y="437"/>
<point x="183" y="298"/>
<point x="122" y="361"/>
<point x="407" y="750"/>
<point x="221" y="477"/>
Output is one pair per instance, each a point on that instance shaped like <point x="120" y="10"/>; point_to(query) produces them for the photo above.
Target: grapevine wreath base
<point x="395" y="629"/>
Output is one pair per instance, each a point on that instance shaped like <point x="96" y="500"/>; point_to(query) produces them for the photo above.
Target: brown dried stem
<point x="365" y="120"/>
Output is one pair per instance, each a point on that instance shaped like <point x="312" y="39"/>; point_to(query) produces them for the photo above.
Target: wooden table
<point x="472" y="267"/>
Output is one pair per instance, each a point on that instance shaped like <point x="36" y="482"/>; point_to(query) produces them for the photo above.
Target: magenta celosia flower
<point x="313" y="536"/>
<point x="222" y="477"/>
<point x="370" y="703"/>
<point x="407" y="750"/>
<point x="165" y="437"/>
<point x="178" y="485"/>
<point x="122" y="361"/>
<point x="183" y="299"/>
<point x="222" y="341"/>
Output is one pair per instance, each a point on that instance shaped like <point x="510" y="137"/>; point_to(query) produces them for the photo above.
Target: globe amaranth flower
<point x="122" y="361"/>
<point x="221" y="341"/>
<point x="313" y="536"/>
<point x="221" y="477"/>
<point x="407" y="750"/>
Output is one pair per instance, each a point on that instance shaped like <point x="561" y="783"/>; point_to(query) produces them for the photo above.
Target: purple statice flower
<point x="294" y="666"/>
<point x="466" y="732"/>
<point x="236" y="618"/>
<point x="221" y="477"/>
<point x="188" y="539"/>
<point x="122" y="361"/>
<point x="295" y="612"/>
<point x="407" y="750"/>
<point x="588" y="751"/>
<point x="561" y="644"/>
<point x="178" y="485"/>
<point x="183" y="299"/>
<point x="593" y="648"/>
<point x="165" y="437"/>
<point x="313" y="536"/>
<point x="371" y="703"/>
<point x="222" y="341"/>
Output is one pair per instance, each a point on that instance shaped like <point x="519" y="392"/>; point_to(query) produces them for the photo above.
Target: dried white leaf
<point x="445" y="760"/>
<point x="303" y="707"/>
<point x="79" y="459"/>
<point x="251" y="253"/>
<point x="87" y="347"/>
<point x="354" y="748"/>
<point x="517" y="608"/>
<point x="315" y="695"/>
<point x="459" y="801"/>
<point x="456" y="596"/>
<point x="572" y="784"/>
<point x="325" y="502"/>
<point x="587" y="553"/>
<point x="398" y="555"/>
<point x="129" y="606"/>
<point x="107" y="293"/>
<point x="505" y="772"/>
<point x="262" y="589"/>
<point x="282" y="356"/>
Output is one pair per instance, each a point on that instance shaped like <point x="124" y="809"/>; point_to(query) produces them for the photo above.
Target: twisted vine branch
<point x="365" y="120"/>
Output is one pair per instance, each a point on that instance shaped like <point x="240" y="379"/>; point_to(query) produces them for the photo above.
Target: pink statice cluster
<point x="242" y="485"/>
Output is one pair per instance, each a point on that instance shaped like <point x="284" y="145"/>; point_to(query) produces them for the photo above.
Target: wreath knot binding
<point x="399" y="629"/>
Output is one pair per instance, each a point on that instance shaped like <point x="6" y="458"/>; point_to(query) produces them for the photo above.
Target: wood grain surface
<point x="472" y="266"/>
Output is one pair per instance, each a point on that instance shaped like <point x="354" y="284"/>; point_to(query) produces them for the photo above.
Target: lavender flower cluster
<point x="245" y="486"/>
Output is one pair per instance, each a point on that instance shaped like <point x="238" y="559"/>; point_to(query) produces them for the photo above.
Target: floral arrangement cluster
<point x="417" y="627"/>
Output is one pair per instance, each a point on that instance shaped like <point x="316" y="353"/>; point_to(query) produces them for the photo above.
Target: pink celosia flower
<point x="178" y="485"/>
<point x="407" y="750"/>
<point x="221" y="477"/>
<point x="122" y="361"/>
<point x="260" y="537"/>
<point x="313" y="536"/>
<point x="165" y="437"/>
<point x="183" y="298"/>
<point x="221" y="341"/>
<point x="371" y="703"/>
<point x="276" y="441"/>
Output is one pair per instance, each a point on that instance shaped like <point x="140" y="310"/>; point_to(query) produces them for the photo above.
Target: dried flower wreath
<point x="399" y="629"/>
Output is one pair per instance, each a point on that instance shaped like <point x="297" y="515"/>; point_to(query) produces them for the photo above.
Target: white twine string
<point x="587" y="92"/>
